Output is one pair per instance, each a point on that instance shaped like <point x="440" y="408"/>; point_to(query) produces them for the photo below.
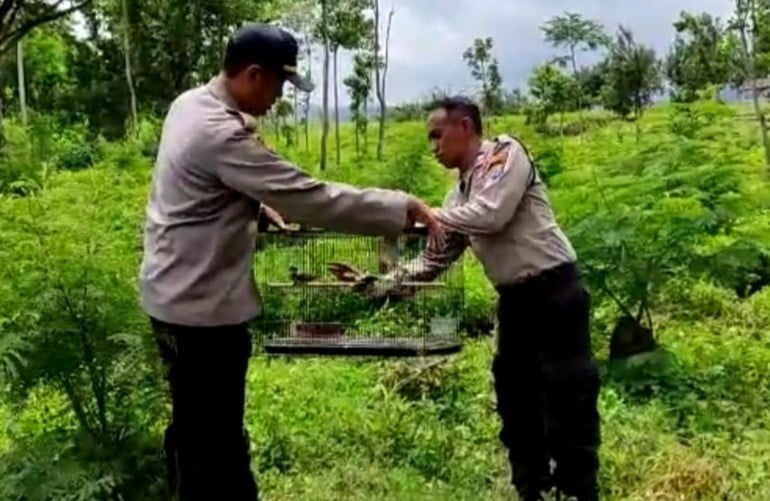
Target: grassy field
<point x="689" y="195"/>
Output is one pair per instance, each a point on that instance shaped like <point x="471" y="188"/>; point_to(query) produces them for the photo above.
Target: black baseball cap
<point x="267" y="46"/>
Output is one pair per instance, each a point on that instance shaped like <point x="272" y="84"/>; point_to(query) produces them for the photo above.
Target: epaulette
<point x="533" y="167"/>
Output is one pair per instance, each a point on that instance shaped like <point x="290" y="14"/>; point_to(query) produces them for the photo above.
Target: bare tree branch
<point x="7" y="40"/>
<point x="5" y="8"/>
<point x="10" y="15"/>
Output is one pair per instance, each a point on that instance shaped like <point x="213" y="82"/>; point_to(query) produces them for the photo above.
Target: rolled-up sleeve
<point x="247" y="166"/>
<point x="493" y="204"/>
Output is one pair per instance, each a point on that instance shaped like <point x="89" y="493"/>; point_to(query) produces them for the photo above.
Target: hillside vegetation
<point x="672" y="223"/>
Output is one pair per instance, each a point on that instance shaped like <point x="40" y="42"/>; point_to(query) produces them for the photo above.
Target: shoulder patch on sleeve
<point x="499" y="158"/>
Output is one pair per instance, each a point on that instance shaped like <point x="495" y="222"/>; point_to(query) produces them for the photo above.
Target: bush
<point x="22" y="171"/>
<point x="74" y="320"/>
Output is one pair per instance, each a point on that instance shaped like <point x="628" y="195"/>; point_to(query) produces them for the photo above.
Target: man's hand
<point x="274" y="217"/>
<point x="418" y="212"/>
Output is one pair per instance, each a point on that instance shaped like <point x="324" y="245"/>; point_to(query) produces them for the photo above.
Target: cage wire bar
<point x="309" y="311"/>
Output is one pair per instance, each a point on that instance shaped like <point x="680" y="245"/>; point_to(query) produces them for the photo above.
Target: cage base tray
<point x="361" y="346"/>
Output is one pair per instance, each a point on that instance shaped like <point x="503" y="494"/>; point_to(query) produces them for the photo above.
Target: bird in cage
<point x="389" y="288"/>
<point x="300" y="278"/>
<point x="388" y="257"/>
<point x="365" y="284"/>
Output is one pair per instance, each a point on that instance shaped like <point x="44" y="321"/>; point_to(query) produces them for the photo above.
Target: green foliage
<point x="359" y="86"/>
<point x="485" y="69"/>
<point x="750" y="44"/>
<point x="20" y="172"/>
<point x="554" y="92"/>
<point x="633" y="76"/>
<point x="699" y="57"/>
<point x="575" y="33"/>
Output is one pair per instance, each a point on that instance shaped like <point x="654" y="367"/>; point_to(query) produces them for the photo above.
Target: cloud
<point x="429" y="36"/>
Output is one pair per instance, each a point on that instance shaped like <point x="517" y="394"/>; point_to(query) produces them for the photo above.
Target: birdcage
<point x="308" y="310"/>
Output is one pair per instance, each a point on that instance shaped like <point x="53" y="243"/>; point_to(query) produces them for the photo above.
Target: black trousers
<point x="206" y="445"/>
<point x="547" y="385"/>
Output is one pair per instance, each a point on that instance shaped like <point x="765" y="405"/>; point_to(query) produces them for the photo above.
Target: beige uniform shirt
<point x="199" y="235"/>
<point x="499" y="208"/>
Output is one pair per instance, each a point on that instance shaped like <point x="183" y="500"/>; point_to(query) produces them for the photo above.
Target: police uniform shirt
<point x="500" y="208"/>
<point x="199" y="234"/>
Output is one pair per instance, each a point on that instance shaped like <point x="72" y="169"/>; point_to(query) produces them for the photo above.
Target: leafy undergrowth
<point x="691" y="425"/>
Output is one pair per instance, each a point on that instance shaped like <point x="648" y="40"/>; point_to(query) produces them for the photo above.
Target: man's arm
<point x="492" y="206"/>
<point x="431" y="261"/>
<point x="250" y="168"/>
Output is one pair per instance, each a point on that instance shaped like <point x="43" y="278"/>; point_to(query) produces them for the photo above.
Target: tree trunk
<point x="2" y="131"/>
<point x="638" y="127"/>
<point x="579" y="91"/>
<point x="358" y="143"/>
<point x="325" y="111"/>
<point x="336" y="108"/>
<point x="382" y="78"/>
<point x="365" y="126"/>
<point x="277" y="127"/>
<point x="749" y="68"/>
<point x="129" y="73"/>
<point x="309" y="49"/>
<point x="22" y="81"/>
<point x="377" y="81"/>
<point x="296" y="117"/>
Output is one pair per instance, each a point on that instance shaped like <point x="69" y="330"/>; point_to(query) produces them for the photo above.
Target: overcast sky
<point x="429" y="36"/>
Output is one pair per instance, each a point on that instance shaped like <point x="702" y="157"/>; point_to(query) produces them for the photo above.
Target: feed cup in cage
<point x="316" y="329"/>
<point x="443" y="326"/>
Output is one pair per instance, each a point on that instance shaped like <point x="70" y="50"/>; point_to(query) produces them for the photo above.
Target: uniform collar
<point x="466" y="176"/>
<point x="217" y="88"/>
<point x="484" y="149"/>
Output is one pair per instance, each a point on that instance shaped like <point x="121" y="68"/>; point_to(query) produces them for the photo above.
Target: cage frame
<point x="352" y="343"/>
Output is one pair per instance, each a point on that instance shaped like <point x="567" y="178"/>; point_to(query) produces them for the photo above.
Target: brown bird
<point x="300" y="278"/>
<point x="388" y="257"/>
<point x="365" y="283"/>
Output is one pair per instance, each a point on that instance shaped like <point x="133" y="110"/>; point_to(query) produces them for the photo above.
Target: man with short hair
<point x="545" y="378"/>
<point x="196" y="278"/>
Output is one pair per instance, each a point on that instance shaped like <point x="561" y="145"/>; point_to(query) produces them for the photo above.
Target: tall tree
<point x="633" y="77"/>
<point x="175" y="44"/>
<point x="485" y="70"/>
<point x="22" y="81"/>
<point x="281" y="112"/>
<point x="359" y="86"/>
<point x="575" y="34"/>
<point x="381" y="70"/>
<point x="47" y="56"/>
<point x="750" y="22"/>
<point x="325" y="93"/>
<point x="19" y="17"/>
<point x="129" y="72"/>
<point x="699" y="57"/>
<point x="554" y="91"/>
<point x="349" y="28"/>
<point x="591" y="81"/>
<point x="302" y="17"/>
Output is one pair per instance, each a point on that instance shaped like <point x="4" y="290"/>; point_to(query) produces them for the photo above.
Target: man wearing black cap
<point x="196" y="279"/>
